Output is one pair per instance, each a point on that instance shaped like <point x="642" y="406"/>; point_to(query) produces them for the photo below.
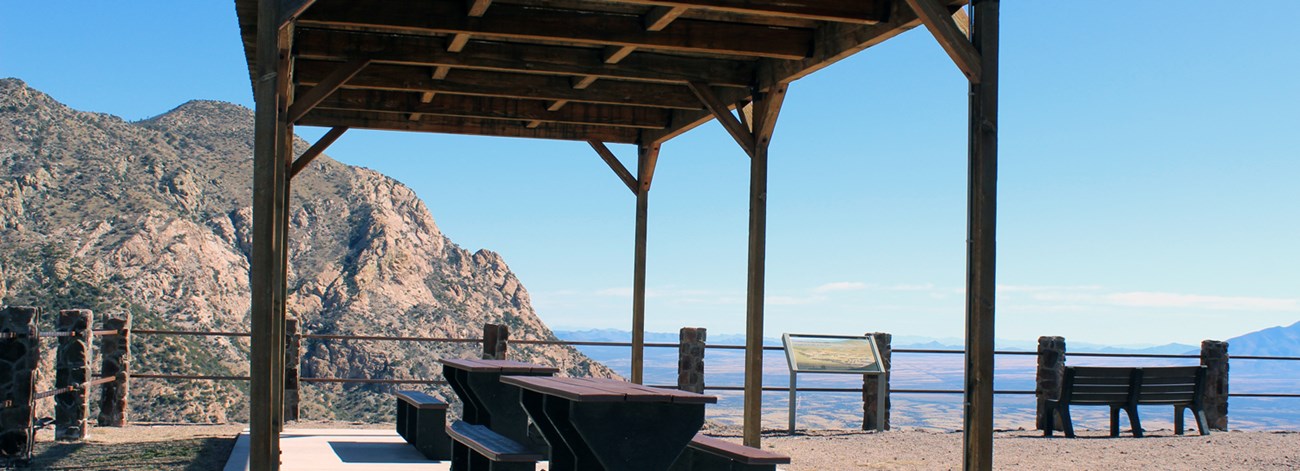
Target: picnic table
<point x="489" y="403"/>
<point x="607" y="424"/>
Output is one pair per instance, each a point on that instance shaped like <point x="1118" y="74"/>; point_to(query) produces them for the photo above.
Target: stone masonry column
<point x="496" y="340"/>
<point x="292" y="358"/>
<point x="115" y="351"/>
<point x="1214" y="355"/>
<point x="1051" y="376"/>
<point x="19" y="355"/>
<point x="690" y="359"/>
<point x="71" y="370"/>
<point x="872" y="405"/>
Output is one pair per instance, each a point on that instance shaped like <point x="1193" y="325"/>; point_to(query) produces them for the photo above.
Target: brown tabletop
<point x="498" y="366"/>
<point x="604" y="390"/>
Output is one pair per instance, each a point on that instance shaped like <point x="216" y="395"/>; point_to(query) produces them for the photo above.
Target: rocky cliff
<point x="153" y="217"/>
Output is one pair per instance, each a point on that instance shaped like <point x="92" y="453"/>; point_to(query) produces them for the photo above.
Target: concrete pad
<point x="340" y="449"/>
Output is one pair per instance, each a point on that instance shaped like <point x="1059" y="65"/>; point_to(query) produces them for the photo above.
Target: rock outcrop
<point x="153" y="217"/>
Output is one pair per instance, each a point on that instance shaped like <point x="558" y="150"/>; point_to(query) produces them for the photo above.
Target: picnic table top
<point x="604" y="390"/>
<point x="497" y="366"/>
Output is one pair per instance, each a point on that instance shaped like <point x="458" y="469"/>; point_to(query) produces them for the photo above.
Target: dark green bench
<point x="478" y="448"/>
<point x="1123" y="388"/>
<point x="712" y="454"/>
<point x="421" y="421"/>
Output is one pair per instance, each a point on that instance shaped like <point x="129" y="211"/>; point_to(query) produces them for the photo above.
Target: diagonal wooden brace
<point x="945" y="30"/>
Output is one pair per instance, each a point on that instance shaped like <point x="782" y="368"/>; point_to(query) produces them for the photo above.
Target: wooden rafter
<point x="719" y="109"/>
<point x="497" y="108"/>
<point x="861" y="12"/>
<point x="614" y="164"/>
<point x="660" y="17"/>
<point x="428" y="51"/>
<point x="478" y="7"/>
<point x="940" y="23"/>
<point x="316" y="150"/>
<point x="470" y="126"/>
<point x="481" y="83"/>
<point x="290" y="10"/>
<point x="517" y="23"/>
<point x="327" y="85"/>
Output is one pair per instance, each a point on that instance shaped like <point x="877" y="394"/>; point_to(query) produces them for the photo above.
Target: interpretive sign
<point x="808" y="353"/>
<point x="832" y="354"/>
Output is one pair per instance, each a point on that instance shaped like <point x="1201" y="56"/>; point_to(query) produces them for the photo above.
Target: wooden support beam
<point x="325" y="87"/>
<point x="858" y="12"/>
<point x="427" y="97"/>
<point x="738" y="131"/>
<point x="981" y="245"/>
<point x="581" y="83"/>
<point x="415" y="116"/>
<point x="440" y="72"/>
<point x="497" y="108"/>
<point x="515" y="22"/>
<point x="458" y="42"/>
<point x="290" y="10"/>
<point x="941" y="25"/>
<point x="660" y="17"/>
<point x="614" y="164"/>
<point x="478" y="7"/>
<point x="429" y="51"/>
<point x="614" y="55"/>
<point x="316" y="149"/>
<point x="766" y="107"/>
<point x="647" y="157"/>
<point x="470" y="126"/>
<point x="524" y="86"/>
<point x="534" y="124"/>
<point x="556" y="105"/>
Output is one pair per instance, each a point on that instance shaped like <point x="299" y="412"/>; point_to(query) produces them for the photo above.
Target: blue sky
<point x="1150" y="172"/>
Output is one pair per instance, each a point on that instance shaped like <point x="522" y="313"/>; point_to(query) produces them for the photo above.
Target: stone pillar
<point x="871" y="405"/>
<point x="690" y="359"/>
<point x="1051" y="376"/>
<point x="115" y="351"/>
<point x="496" y="339"/>
<point x="1214" y="355"/>
<point x="292" y="358"/>
<point x="19" y="355"/>
<point x="71" y="370"/>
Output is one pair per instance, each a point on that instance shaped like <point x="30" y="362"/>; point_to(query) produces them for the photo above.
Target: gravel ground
<point x="206" y="447"/>
<point x="909" y="449"/>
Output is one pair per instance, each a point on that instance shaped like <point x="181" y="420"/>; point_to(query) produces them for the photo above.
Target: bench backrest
<point x="1126" y="385"/>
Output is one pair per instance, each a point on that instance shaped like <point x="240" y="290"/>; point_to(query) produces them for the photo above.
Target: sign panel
<point x="832" y="354"/>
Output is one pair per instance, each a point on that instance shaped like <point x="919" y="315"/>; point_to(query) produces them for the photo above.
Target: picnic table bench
<point x="420" y="421"/>
<point x="1125" y="388"/>
<point x="713" y="454"/>
<point x="607" y="424"/>
<point x="489" y="403"/>
<point x="476" y="447"/>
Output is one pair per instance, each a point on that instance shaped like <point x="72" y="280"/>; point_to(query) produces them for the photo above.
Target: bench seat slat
<point x="1181" y="372"/>
<point x="420" y="400"/>
<point x="490" y="444"/>
<point x="737" y="452"/>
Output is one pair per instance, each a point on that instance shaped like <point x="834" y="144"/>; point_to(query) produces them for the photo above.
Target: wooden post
<point x="874" y="403"/>
<point x="20" y="355"/>
<point x="71" y="370"/>
<point x="115" y="351"/>
<point x="646" y="157"/>
<point x="1050" y="377"/>
<point x="690" y="359"/>
<point x="496" y="341"/>
<point x="292" y="358"/>
<point x="766" y="107"/>
<point x="1214" y="355"/>
<point x="981" y="241"/>
<point x="266" y="272"/>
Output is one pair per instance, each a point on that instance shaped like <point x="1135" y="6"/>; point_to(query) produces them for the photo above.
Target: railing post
<point x="114" y="353"/>
<point x="690" y="359"/>
<point x="71" y="361"/>
<point x="872" y="404"/>
<point x="19" y="354"/>
<point x="1214" y="355"/>
<point x="496" y="339"/>
<point x="1051" y="375"/>
<point x="292" y="358"/>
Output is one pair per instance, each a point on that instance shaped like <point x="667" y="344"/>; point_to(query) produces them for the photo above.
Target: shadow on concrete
<point x="375" y="453"/>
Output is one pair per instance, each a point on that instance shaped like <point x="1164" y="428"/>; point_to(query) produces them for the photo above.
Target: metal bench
<point x="476" y="447"/>
<point x="421" y="421"/>
<point x="1122" y="388"/>
<point x="713" y="454"/>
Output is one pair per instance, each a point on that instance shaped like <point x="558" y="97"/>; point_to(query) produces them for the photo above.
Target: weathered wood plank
<point x="481" y="83"/>
<point x="316" y="150"/>
<point x="722" y="113"/>
<point x="341" y="74"/>
<point x="497" y="108"/>
<point x="471" y="126"/>
<point x="858" y="11"/>
<point x="513" y="22"/>
<point x="431" y="51"/>
<point x="941" y="25"/>
<point x="660" y="17"/>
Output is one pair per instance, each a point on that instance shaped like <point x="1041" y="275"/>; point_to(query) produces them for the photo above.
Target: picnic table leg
<point x="1134" y="421"/>
<point x="631" y="436"/>
<point x="472" y="412"/>
<point x="501" y="409"/>
<point x="567" y="452"/>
